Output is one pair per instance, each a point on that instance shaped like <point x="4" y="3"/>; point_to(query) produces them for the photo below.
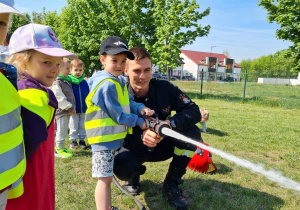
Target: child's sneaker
<point x="62" y="153"/>
<point x="73" y="145"/>
<point x="113" y="208"/>
<point x="69" y="151"/>
<point x="82" y="144"/>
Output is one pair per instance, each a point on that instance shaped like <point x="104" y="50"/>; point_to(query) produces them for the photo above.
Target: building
<point x="215" y="66"/>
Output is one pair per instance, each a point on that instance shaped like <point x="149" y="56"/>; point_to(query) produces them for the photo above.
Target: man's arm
<point x="187" y="112"/>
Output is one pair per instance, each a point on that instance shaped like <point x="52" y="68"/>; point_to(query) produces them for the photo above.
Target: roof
<point x="199" y="58"/>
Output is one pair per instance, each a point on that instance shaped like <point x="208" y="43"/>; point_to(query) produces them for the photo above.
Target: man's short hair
<point x="77" y="62"/>
<point x="140" y="53"/>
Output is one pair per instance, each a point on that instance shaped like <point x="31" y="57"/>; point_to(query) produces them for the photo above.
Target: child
<point x="63" y="91"/>
<point x="204" y="118"/>
<point x="108" y="118"/>
<point x="12" y="156"/>
<point x="81" y="90"/>
<point x="4" y="48"/>
<point x="37" y="54"/>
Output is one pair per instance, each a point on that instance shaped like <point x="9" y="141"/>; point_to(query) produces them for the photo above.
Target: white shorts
<point x="3" y="199"/>
<point x="103" y="163"/>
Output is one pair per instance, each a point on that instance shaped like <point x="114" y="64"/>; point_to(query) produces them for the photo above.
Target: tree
<point x="17" y="22"/>
<point x="286" y="13"/>
<point x="276" y="66"/>
<point x="85" y="24"/>
<point x="176" y="25"/>
<point x="225" y="52"/>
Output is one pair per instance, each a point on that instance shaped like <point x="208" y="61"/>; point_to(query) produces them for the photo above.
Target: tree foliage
<point x="286" y="13"/>
<point x="17" y="22"/>
<point x="162" y="27"/>
<point x="85" y="24"/>
<point x="51" y="19"/>
<point x="271" y="66"/>
<point x="177" y="24"/>
<point x="225" y="52"/>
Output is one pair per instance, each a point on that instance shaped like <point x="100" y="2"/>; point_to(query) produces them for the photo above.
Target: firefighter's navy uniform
<point x="163" y="97"/>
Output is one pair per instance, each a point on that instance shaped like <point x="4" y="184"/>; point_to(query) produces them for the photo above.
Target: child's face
<point x="65" y="69"/>
<point x="43" y="68"/>
<point x="77" y="71"/>
<point x="114" y="64"/>
<point x="203" y="117"/>
<point x="4" y="22"/>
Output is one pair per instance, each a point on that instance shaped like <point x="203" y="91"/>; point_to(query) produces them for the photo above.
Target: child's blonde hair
<point x="204" y="115"/>
<point x="77" y="62"/>
<point x="19" y="60"/>
<point x="65" y="60"/>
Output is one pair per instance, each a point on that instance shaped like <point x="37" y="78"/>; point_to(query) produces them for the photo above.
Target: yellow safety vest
<point x="98" y="124"/>
<point x="36" y="101"/>
<point x="12" y="154"/>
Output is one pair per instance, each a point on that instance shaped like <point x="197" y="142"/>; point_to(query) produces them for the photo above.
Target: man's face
<point x="4" y="22"/>
<point x="77" y="71"/>
<point x="139" y="73"/>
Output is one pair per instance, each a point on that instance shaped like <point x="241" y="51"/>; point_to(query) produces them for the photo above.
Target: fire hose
<point x="157" y="127"/>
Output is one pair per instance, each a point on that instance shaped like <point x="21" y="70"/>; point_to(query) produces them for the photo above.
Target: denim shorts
<point x="103" y="163"/>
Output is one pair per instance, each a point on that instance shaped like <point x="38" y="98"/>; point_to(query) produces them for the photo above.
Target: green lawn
<point x="258" y="133"/>
<point x="285" y="96"/>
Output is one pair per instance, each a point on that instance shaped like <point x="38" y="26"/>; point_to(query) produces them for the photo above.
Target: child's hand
<point x="147" y="111"/>
<point x="73" y="112"/>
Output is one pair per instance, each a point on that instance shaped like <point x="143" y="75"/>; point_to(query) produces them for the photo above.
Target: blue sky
<point x="238" y="26"/>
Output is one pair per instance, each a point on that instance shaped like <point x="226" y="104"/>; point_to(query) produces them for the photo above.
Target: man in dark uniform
<point x="163" y="97"/>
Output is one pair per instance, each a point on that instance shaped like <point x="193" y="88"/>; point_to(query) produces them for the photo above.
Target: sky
<point x="237" y="26"/>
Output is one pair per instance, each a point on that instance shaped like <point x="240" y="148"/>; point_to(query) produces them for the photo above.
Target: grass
<point x="285" y="96"/>
<point x="260" y="134"/>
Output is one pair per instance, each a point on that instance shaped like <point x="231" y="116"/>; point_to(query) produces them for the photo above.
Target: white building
<point x="195" y="61"/>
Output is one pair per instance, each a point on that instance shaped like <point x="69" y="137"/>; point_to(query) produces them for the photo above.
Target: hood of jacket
<point x="102" y="75"/>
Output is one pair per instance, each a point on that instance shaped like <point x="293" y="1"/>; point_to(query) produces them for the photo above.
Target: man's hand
<point x="150" y="138"/>
<point x="147" y="111"/>
<point x="166" y="122"/>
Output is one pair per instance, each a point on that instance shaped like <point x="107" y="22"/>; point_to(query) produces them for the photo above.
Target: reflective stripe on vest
<point x="11" y="158"/>
<point x="36" y="101"/>
<point x="98" y="124"/>
<point x="184" y="152"/>
<point x="12" y="154"/>
<point x="10" y="121"/>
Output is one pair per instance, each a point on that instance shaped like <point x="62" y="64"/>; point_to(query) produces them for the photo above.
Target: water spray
<point x="164" y="130"/>
<point x="272" y="175"/>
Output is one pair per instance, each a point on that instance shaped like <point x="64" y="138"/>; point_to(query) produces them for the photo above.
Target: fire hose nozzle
<point x="156" y="126"/>
<point x="159" y="127"/>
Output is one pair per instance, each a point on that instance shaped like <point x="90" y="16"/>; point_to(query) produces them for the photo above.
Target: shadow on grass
<point x="222" y="169"/>
<point x="211" y="194"/>
<point x="83" y="152"/>
<point x="212" y="131"/>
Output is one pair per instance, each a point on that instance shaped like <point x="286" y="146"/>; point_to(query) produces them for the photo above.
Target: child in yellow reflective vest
<point x="12" y="157"/>
<point x="108" y="115"/>
<point x="36" y="52"/>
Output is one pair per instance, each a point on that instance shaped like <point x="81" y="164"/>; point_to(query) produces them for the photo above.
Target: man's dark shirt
<point x="164" y="97"/>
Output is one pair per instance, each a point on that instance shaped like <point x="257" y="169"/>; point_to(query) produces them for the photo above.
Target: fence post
<point x="201" y="83"/>
<point x="245" y="84"/>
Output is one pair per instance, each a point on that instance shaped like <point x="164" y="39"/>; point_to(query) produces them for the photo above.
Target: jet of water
<point x="272" y="175"/>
